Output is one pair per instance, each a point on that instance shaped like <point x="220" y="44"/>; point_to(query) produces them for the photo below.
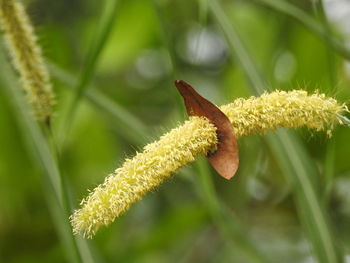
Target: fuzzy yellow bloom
<point x="292" y="109"/>
<point x="181" y="145"/>
<point x="27" y="57"/>
<point x="141" y="174"/>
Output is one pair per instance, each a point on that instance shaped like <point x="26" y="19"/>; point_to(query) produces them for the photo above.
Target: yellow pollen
<point x="160" y="159"/>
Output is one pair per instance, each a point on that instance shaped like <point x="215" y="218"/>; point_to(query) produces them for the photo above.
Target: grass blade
<point x="294" y="160"/>
<point x="319" y="10"/>
<point x="101" y="36"/>
<point x="46" y="161"/>
<point x="295" y="164"/>
<point x="286" y="8"/>
<point x="237" y="48"/>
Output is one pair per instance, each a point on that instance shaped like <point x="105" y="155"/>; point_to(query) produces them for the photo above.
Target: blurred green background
<point x="116" y="61"/>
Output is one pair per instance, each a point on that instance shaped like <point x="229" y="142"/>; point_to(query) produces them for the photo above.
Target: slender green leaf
<point x="203" y="10"/>
<point x="237" y="48"/>
<point x="319" y="10"/>
<point x="42" y="154"/>
<point x="101" y="36"/>
<point x="296" y="166"/>
<point x="98" y="43"/>
<point x="298" y="14"/>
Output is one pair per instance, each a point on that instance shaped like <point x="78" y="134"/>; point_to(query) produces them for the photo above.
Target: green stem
<point x="319" y="10"/>
<point x="298" y="170"/>
<point x="237" y="47"/>
<point x="42" y="154"/>
<point x="101" y="36"/>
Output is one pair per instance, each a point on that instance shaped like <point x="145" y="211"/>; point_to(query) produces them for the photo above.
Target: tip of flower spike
<point x="344" y="120"/>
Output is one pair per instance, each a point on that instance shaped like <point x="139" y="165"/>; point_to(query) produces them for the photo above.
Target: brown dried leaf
<point x="225" y="159"/>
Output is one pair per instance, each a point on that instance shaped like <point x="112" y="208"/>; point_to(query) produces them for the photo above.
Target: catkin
<point x="27" y="57"/>
<point x="160" y="159"/>
<point x="290" y="110"/>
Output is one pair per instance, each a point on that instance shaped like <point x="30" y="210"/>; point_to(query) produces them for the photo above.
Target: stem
<point x="101" y="36"/>
<point x="324" y="247"/>
<point x="237" y="47"/>
<point x="45" y="159"/>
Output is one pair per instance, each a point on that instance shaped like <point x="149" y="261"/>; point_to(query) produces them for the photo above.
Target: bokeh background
<point x="289" y="201"/>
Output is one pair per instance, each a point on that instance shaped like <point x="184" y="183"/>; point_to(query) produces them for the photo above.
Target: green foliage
<point x="287" y="203"/>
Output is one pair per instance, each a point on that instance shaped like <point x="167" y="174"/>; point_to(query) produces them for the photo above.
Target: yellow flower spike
<point x="196" y="136"/>
<point x="292" y="109"/>
<point x="27" y="57"/>
<point x="143" y="173"/>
